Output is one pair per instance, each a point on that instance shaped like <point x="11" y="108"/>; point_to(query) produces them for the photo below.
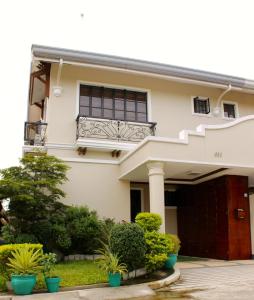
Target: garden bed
<point x="82" y="273"/>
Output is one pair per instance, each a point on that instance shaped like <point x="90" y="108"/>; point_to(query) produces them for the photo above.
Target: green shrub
<point x="6" y="253"/>
<point x="149" y="221"/>
<point x="62" y="239"/>
<point x="8" y="234"/>
<point x="176" y="243"/>
<point x="26" y="238"/>
<point x="84" y="228"/>
<point x="159" y="246"/>
<point x="127" y="242"/>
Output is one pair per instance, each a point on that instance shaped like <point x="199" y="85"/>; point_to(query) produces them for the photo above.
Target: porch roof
<point x="207" y="152"/>
<point x="53" y="54"/>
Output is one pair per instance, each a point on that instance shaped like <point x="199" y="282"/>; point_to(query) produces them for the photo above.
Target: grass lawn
<point x="72" y="274"/>
<point x="76" y="273"/>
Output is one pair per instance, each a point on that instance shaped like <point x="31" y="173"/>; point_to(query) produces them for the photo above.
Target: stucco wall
<point x="98" y="187"/>
<point x="170" y="103"/>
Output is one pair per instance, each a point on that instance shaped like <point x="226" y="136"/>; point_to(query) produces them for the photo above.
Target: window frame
<point x="236" y="109"/>
<point x="209" y="115"/>
<point x="120" y="87"/>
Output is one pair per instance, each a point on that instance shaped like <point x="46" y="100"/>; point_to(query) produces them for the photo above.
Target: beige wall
<point x="170" y="102"/>
<point x="98" y="187"/>
<point x="171" y="220"/>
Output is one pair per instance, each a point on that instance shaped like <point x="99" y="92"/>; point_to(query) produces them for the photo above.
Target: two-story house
<point x="144" y="136"/>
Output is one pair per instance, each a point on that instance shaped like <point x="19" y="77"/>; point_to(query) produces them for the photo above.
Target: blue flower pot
<point x="23" y="284"/>
<point x="114" y="279"/>
<point x="52" y="284"/>
<point x="171" y="261"/>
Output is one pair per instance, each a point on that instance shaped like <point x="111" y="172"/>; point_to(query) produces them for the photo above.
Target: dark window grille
<point x="108" y="103"/>
<point x="201" y="105"/>
<point x="229" y="110"/>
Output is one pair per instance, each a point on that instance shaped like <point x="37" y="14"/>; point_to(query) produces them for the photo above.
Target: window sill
<point x="202" y="115"/>
<point x="230" y="119"/>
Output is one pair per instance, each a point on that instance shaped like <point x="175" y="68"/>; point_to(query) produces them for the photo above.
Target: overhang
<point x="209" y="151"/>
<point x="52" y="54"/>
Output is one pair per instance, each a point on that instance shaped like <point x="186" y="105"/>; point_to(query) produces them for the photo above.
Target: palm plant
<point x="110" y="262"/>
<point x="25" y="261"/>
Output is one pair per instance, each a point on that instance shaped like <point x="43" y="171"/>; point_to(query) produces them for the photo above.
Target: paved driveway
<point x="220" y="280"/>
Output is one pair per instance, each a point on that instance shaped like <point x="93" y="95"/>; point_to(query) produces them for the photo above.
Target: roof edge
<point x="106" y="60"/>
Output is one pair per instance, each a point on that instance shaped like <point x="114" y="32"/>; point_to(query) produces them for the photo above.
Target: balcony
<point x="35" y="133"/>
<point x="114" y="130"/>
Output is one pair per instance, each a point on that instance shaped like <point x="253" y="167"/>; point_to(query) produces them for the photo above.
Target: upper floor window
<point x="230" y="110"/>
<point x="201" y="105"/>
<point x="110" y="103"/>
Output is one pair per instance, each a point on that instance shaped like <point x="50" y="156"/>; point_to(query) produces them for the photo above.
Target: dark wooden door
<point x="239" y="218"/>
<point x="135" y="203"/>
<point x="208" y="225"/>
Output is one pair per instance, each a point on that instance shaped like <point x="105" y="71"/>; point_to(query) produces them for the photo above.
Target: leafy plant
<point x="148" y="221"/>
<point x="176" y="243"/>
<point x="6" y="253"/>
<point x="34" y="190"/>
<point x="110" y="262"/>
<point x="48" y="261"/>
<point x="128" y="242"/>
<point x="84" y="228"/>
<point x="25" y="261"/>
<point x="159" y="246"/>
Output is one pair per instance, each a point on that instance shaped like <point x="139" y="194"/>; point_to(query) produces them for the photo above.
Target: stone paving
<point x="216" y="279"/>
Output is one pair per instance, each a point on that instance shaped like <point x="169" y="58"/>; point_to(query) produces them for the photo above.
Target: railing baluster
<point x="35" y="133"/>
<point x="113" y="129"/>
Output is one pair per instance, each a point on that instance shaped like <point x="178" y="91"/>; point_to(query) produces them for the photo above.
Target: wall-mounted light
<point x="57" y="91"/>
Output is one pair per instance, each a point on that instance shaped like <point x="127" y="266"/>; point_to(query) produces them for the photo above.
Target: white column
<point x="156" y="188"/>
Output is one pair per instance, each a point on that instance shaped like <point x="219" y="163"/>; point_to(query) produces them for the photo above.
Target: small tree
<point x="33" y="190"/>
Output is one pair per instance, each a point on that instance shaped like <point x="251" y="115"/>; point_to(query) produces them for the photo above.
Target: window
<point x="229" y="110"/>
<point x="201" y="105"/>
<point x="108" y="103"/>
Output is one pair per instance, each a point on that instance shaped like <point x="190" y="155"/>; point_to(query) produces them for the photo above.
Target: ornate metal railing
<point x="113" y="129"/>
<point x="35" y="133"/>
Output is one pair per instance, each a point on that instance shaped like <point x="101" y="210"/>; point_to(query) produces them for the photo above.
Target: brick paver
<point x="211" y="277"/>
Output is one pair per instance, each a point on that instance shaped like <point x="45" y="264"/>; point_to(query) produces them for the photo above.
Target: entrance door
<point x="136" y="203"/>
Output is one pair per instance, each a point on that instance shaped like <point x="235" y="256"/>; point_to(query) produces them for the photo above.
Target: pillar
<point x="156" y="189"/>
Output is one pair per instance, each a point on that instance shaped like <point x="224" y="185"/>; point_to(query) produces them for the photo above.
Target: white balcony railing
<point x="115" y="130"/>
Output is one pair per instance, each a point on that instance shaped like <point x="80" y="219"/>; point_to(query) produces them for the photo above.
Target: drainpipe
<point x="57" y="90"/>
<point x="216" y="110"/>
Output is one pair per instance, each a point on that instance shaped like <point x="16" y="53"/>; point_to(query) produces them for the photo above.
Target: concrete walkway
<point x="215" y="279"/>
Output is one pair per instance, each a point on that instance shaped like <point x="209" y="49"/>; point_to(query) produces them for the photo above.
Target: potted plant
<point x="172" y="258"/>
<point x="110" y="263"/>
<point x="52" y="282"/>
<point x="24" y="265"/>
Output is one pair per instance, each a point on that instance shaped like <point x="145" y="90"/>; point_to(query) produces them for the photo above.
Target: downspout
<point x="57" y="90"/>
<point x="216" y="110"/>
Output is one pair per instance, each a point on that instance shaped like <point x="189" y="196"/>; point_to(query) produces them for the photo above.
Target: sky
<point x="212" y="35"/>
